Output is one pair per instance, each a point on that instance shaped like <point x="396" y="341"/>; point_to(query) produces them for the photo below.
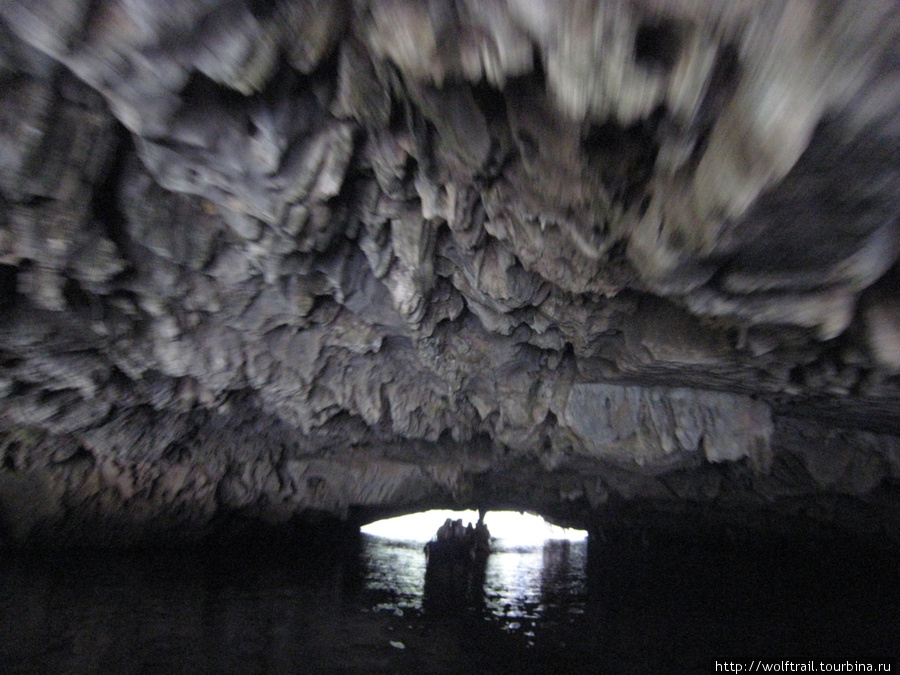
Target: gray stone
<point x="655" y="425"/>
<point x="340" y="258"/>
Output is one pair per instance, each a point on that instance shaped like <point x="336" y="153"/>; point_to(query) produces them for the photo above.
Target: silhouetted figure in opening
<point x="456" y="565"/>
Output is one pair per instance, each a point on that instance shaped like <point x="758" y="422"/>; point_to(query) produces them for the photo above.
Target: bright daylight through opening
<point x="510" y="526"/>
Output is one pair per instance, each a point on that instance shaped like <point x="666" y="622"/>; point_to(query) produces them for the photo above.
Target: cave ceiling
<point x="293" y="258"/>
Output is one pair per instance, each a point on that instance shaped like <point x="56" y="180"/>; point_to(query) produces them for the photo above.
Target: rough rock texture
<point x="291" y="258"/>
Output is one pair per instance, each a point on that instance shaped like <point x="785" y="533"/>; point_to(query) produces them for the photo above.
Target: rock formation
<point x="286" y="259"/>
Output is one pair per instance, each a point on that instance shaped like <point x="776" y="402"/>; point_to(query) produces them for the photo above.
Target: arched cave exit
<point x="511" y="526"/>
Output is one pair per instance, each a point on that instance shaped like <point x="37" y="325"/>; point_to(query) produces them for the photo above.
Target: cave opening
<point x="509" y="526"/>
<point x="271" y="271"/>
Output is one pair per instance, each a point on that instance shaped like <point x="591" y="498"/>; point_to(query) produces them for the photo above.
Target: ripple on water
<point x="523" y="585"/>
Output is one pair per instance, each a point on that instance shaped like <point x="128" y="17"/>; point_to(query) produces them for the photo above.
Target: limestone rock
<point x="650" y="425"/>
<point x="298" y="258"/>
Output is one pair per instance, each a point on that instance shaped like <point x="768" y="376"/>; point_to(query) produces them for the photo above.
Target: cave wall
<point x="293" y="258"/>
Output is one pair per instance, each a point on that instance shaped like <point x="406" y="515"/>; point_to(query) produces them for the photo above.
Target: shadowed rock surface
<point x="274" y="262"/>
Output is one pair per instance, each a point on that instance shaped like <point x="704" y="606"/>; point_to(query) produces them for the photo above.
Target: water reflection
<point x="395" y="569"/>
<point x="628" y="608"/>
<point x="524" y="582"/>
<point x="520" y="585"/>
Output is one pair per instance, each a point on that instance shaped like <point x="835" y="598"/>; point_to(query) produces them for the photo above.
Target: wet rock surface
<point x="294" y="259"/>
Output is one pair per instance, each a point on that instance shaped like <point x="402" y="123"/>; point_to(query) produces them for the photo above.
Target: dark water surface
<point x="627" y="607"/>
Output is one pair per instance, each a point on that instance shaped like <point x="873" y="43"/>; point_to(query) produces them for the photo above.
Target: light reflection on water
<point x="396" y="568"/>
<point x="664" y="607"/>
<point x="522" y="584"/>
